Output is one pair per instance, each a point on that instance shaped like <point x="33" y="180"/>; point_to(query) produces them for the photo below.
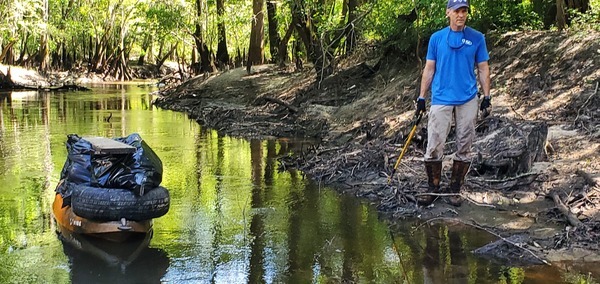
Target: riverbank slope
<point x="537" y="173"/>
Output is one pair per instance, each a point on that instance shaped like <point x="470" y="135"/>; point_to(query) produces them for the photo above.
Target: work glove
<point x="485" y="103"/>
<point x="420" y="106"/>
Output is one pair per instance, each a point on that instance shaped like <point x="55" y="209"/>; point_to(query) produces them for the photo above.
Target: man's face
<point x="458" y="17"/>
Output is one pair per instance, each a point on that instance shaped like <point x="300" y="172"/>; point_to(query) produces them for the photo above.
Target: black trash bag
<point x="143" y="169"/>
<point x="136" y="171"/>
<point x="108" y="167"/>
<point x="84" y="166"/>
<point x="78" y="166"/>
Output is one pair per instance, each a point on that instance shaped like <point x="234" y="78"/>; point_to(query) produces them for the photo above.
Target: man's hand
<point x="420" y="105"/>
<point x="485" y="103"/>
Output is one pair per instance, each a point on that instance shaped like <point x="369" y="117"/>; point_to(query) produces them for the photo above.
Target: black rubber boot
<point x="434" y="173"/>
<point x="459" y="171"/>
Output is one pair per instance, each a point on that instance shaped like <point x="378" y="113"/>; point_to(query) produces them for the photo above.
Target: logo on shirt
<point x="466" y="41"/>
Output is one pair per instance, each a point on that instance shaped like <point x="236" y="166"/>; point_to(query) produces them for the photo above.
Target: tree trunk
<point x="350" y="31"/>
<point x="347" y="30"/>
<point x="256" y="49"/>
<point x="24" y="49"/>
<point x="161" y="61"/>
<point x="205" y="64"/>
<point x="239" y="59"/>
<point x="222" y="54"/>
<point x="75" y="60"/>
<point x="63" y="60"/>
<point x="274" y="39"/>
<point x="145" y="47"/>
<point x="297" y="51"/>
<point x="120" y="65"/>
<point x="6" y="82"/>
<point x="302" y="27"/>
<point x="7" y="50"/>
<point x="561" y="19"/>
<point x="90" y="52"/>
<point x="579" y="5"/>
<point x="317" y="54"/>
<point x="43" y="53"/>
<point x="282" y="53"/>
<point x="99" y="59"/>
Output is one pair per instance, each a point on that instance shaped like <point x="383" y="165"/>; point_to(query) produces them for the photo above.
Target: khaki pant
<point x="438" y="127"/>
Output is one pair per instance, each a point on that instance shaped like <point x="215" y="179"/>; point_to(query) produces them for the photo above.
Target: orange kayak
<point x="117" y="231"/>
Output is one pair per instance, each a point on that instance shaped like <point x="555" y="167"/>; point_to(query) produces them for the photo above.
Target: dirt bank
<point x="536" y="177"/>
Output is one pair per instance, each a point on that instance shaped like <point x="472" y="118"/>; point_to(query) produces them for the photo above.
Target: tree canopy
<point x="106" y="36"/>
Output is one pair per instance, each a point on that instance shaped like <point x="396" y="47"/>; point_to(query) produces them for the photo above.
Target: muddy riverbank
<point x="535" y="183"/>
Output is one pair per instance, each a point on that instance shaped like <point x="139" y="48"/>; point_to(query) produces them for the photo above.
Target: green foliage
<point x="577" y="278"/>
<point x="381" y="20"/>
<point x="505" y="15"/>
<point x="511" y="275"/>
<point x="388" y="19"/>
<point x="327" y="14"/>
<point x="161" y="19"/>
<point x="588" y="20"/>
<point x="72" y="24"/>
<point x="18" y="18"/>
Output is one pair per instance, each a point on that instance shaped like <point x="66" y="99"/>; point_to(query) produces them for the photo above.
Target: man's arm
<point x="483" y="70"/>
<point x="427" y="78"/>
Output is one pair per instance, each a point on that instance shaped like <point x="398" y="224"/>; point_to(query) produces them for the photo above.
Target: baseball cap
<point x="455" y="4"/>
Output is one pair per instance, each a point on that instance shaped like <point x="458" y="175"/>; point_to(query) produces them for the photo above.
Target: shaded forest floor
<point x="535" y="182"/>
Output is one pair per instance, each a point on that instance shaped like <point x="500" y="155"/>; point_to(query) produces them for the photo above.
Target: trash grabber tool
<point x="416" y="121"/>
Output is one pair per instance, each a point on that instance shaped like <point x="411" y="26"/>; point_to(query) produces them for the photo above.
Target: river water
<point x="235" y="215"/>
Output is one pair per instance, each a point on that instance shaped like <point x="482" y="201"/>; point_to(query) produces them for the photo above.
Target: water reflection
<point x="94" y="260"/>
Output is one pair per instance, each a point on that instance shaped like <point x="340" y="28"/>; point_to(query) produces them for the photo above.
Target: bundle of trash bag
<point x="138" y="171"/>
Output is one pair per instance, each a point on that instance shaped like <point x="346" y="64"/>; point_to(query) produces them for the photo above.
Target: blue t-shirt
<point x="455" y="55"/>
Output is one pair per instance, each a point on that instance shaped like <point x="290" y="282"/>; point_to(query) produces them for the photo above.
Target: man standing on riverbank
<point x="453" y="54"/>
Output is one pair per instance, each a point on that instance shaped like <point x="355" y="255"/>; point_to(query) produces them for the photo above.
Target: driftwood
<point x="571" y="218"/>
<point x="280" y="102"/>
